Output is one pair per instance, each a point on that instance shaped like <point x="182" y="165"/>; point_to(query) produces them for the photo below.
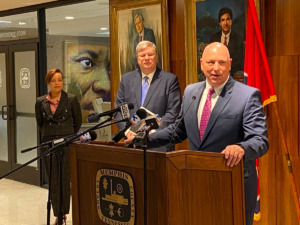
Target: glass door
<point x="18" y="113"/>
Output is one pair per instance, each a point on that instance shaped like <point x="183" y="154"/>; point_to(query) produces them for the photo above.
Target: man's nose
<point x="216" y="66"/>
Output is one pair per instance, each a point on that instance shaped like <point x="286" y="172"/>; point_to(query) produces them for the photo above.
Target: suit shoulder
<point x="245" y="88"/>
<point x="193" y="87"/>
<point x="168" y="74"/>
<point x="41" y="98"/>
<point x="215" y="37"/>
<point x="129" y="74"/>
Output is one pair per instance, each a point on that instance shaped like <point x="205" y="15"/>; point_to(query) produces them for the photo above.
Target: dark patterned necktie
<point x="205" y="113"/>
<point x="225" y="41"/>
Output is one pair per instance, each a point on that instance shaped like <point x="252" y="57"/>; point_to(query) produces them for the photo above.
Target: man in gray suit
<point x="163" y="96"/>
<point x="144" y="34"/>
<point x="235" y="124"/>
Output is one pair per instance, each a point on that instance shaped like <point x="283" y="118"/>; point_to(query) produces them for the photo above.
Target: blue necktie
<point x="145" y="87"/>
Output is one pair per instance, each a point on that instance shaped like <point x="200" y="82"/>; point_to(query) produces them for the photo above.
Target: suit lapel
<point x="223" y="99"/>
<point x="62" y="102"/>
<point x="154" y="84"/>
<point x="194" y="109"/>
<point x="137" y="85"/>
<point x="46" y="106"/>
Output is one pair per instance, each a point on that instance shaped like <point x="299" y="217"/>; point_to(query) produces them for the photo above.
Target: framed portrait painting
<point x="129" y="18"/>
<point x="216" y="21"/>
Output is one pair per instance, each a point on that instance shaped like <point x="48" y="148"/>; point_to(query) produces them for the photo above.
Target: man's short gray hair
<point x="138" y="15"/>
<point x="142" y="45"/>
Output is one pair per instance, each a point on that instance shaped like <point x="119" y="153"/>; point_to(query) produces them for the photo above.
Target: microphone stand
<point x="140" y="141"/>
<point x="57" y="150"/>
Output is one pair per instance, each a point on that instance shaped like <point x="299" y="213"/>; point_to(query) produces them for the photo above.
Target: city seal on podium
<point x="115" y="197"/>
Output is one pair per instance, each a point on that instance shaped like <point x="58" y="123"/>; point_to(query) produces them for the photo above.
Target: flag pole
<point x="288" y="161"/>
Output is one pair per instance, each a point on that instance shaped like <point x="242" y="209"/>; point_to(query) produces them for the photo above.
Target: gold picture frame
<point x="123" y="33"/>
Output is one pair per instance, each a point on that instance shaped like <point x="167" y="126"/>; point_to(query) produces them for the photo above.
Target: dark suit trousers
<point x="249" y="217"/>
<point x="55" y="181"/>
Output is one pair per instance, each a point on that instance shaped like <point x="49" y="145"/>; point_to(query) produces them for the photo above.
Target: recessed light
<point x="2" y="21"/>
<point x="22" y="23"/>
<point x="103" y="28"/>
<point x="69" y="17"/>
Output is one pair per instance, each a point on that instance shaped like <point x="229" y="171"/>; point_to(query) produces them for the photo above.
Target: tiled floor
<point x="23" y="204"/>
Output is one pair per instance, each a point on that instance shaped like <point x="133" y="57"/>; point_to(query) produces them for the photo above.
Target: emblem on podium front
<point x="115" y="197"/>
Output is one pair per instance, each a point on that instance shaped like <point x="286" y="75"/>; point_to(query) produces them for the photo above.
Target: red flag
<point x="257" y="72"/>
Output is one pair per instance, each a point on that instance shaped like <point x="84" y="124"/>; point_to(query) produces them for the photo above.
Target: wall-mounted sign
<point x="25" y="78"/>
<point x="115" y="197"/>
<point x="13" y="34"/>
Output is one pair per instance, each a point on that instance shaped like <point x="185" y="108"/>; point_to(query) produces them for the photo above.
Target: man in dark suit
<point x="144" y="34"/>
<point x="231" y="121"/>
<point x="163" y="96"/>
<point x="231" y="39"/>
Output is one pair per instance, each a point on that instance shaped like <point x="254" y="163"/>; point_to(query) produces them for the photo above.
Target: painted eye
<point x="86" y="62"/>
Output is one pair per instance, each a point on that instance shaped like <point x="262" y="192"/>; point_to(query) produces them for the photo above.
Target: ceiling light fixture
<point x="69" y="17"/>
<point x="7" y="22"/>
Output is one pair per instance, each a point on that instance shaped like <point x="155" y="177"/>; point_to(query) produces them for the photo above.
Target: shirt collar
<point x="227" y="35"/>
<point x="150" y="76"/>
<point x="217" y="89"/>
<point x="48" y="98"/>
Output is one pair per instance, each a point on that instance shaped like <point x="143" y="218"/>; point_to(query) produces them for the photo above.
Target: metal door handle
<point x="3" y="115"/>
<point x="9" y="112"/>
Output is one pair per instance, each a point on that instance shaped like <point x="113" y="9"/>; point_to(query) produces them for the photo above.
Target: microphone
<point x="136" y="118"/>
<point x="123" y="109"/>
<point x="173" y="132"/>
<point x="92" y="135"/>
<point x="151" y="122"/>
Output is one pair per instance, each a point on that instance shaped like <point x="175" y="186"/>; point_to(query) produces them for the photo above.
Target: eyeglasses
<point x="150" y="55"/>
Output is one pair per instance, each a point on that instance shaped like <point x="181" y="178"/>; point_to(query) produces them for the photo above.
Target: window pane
<point x="16" y="27"/>
<point x="78" y="43"/>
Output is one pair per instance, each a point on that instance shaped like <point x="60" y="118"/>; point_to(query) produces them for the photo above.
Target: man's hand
<point x="130" y="136"/>
<point x="233" y="154"/>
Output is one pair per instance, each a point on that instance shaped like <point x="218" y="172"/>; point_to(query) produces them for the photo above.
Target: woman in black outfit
<point x="58" y="114"/>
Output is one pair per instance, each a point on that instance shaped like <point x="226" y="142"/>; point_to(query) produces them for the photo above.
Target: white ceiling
<point x="89" y="17"/>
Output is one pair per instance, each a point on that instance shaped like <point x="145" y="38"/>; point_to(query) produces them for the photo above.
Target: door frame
<point x="28" y="174"/>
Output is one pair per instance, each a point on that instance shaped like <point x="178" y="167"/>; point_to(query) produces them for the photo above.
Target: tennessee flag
<point x="257" y="72"/>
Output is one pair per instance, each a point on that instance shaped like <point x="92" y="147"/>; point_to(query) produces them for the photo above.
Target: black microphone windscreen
<point x="93" y="135"/>
<point x="130" y="106"/>
<point x="141" y="113"/>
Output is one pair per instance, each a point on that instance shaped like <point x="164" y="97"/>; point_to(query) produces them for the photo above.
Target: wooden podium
<point x="184" y="187"/>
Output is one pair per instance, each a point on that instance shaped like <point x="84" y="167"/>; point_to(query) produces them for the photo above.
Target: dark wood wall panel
<point x="282" y="27"/>
<point x="177" y="48"/>
<point x="270" y="30"/>
<point x="177" y="39"/>
<point x="287" y="23"/>
<point x="283" y="50"/>
<point x="286" y="83"/>
<point x="286" y="210"/>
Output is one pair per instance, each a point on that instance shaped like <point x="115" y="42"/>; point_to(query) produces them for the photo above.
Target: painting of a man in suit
<point x="214" y="20"/>
<point x="231" y="39"/>
<point x="135" y="25"/>
<point x="143" y="33"/>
